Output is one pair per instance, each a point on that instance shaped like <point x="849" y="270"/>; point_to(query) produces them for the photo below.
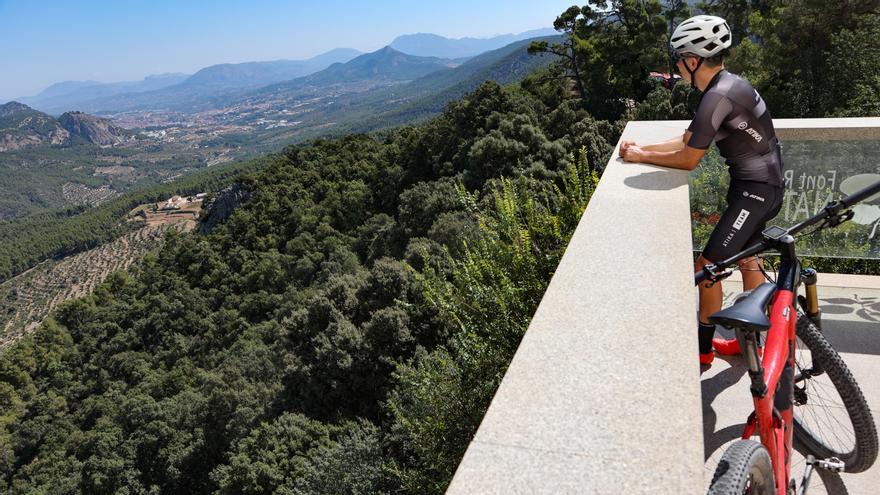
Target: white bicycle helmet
<point x="702" y="35"/>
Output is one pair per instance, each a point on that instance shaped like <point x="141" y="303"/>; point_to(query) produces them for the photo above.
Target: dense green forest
<point x="345" y="330"/>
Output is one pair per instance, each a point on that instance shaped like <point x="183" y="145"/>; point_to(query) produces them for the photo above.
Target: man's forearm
<point x="672" y="159"/>
<point x="673" y="144"/>
<point x="673" y="153"/>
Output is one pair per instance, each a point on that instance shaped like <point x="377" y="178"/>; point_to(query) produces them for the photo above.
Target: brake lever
<point x="713" y="277"/>
<point x="837" y="219"/>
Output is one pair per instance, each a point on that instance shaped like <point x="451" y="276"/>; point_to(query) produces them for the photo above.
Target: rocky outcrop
<point x="89" y="128"/>
<point x="23" y="127"/>
<point x="219" y="208"/>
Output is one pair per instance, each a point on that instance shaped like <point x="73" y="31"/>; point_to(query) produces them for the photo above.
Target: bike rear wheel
<point x="831" y="416"/>
<point x="745" y="468"/>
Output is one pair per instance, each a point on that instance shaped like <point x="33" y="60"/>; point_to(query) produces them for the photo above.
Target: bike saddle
<point x="750" y="312"/>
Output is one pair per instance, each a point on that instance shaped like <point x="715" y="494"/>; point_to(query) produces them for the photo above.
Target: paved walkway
<point x="851" y="322"/>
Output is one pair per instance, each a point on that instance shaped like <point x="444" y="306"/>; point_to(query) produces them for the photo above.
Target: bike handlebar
<point x="831" y="210"/>
<point x="859" y="196"/>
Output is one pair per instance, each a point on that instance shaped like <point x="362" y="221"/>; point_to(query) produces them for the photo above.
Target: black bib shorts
<point x="750" y="205"/>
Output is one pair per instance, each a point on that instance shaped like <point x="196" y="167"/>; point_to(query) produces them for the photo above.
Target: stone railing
<point x="603" y="394"/>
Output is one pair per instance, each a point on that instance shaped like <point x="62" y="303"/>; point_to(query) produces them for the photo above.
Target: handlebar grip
<point x="699" y="277"/>
<point x="859" y="196"/>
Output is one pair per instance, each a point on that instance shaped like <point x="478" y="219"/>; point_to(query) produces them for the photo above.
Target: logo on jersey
<point x="741" y="219"/>
<point x="754" y="134"/>
<point x="742" y="126"/>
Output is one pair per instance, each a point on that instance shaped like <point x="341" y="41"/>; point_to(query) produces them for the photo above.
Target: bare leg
<point x="710" y="297"/>
<point x="751" y="274"/>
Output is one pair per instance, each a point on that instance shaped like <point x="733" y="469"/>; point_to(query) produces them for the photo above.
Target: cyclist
<point x="733" y="115"/>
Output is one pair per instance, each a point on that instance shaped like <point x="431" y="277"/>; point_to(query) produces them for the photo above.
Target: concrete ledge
<point x="603" y="394"/>
<point x="856" y="128"/>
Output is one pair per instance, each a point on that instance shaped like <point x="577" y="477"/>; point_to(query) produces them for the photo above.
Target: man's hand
<point x="624" y="145"/>
<point x="633" y="153"/>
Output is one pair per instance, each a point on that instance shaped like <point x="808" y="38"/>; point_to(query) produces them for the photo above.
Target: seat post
<point x="756" y="368"/>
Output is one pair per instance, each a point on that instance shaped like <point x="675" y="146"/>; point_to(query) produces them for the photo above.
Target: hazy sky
<point x="44" y="42"/>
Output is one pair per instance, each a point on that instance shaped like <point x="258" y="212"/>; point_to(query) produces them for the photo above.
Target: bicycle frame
<point x="773" y="377"/>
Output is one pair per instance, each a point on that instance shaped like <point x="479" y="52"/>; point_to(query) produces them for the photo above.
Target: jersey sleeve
<point x="713" y="110"/>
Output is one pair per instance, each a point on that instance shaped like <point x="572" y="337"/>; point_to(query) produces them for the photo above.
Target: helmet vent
<point x="702" y="35"/>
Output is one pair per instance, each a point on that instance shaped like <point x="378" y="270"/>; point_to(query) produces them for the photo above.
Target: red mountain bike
<point x="801" y="387"/>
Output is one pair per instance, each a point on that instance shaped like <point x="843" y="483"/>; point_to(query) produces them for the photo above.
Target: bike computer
<point x="774" y="232"/>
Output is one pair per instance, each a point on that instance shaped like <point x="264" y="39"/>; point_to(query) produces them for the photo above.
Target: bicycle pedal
<point x="832" y="464"/>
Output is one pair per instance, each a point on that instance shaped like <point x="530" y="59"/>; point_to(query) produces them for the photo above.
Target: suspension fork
<point x="811" y="302"/>
<point x="809" y="277"/>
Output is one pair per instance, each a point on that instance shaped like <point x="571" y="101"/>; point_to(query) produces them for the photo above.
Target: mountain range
<point x="215" y="79"/>
<point x="256" y="74"/>
<point x="427" y="95"/>
<point x="68" y="95"/>
<point x="432" y="45"/>
<point x="224" y="81"/>
<point x="385" y="66"/>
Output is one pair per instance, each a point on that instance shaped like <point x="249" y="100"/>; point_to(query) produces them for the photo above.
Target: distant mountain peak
<point x="339" y="52"/>
<point x="14" y="107"/>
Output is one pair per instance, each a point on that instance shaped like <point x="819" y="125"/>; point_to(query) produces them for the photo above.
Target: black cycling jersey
<point x="734" y="115"/>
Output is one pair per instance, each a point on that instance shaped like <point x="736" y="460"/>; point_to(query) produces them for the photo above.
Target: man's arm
<point x="667" y="154"/>
<point x="671" y="145"/>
